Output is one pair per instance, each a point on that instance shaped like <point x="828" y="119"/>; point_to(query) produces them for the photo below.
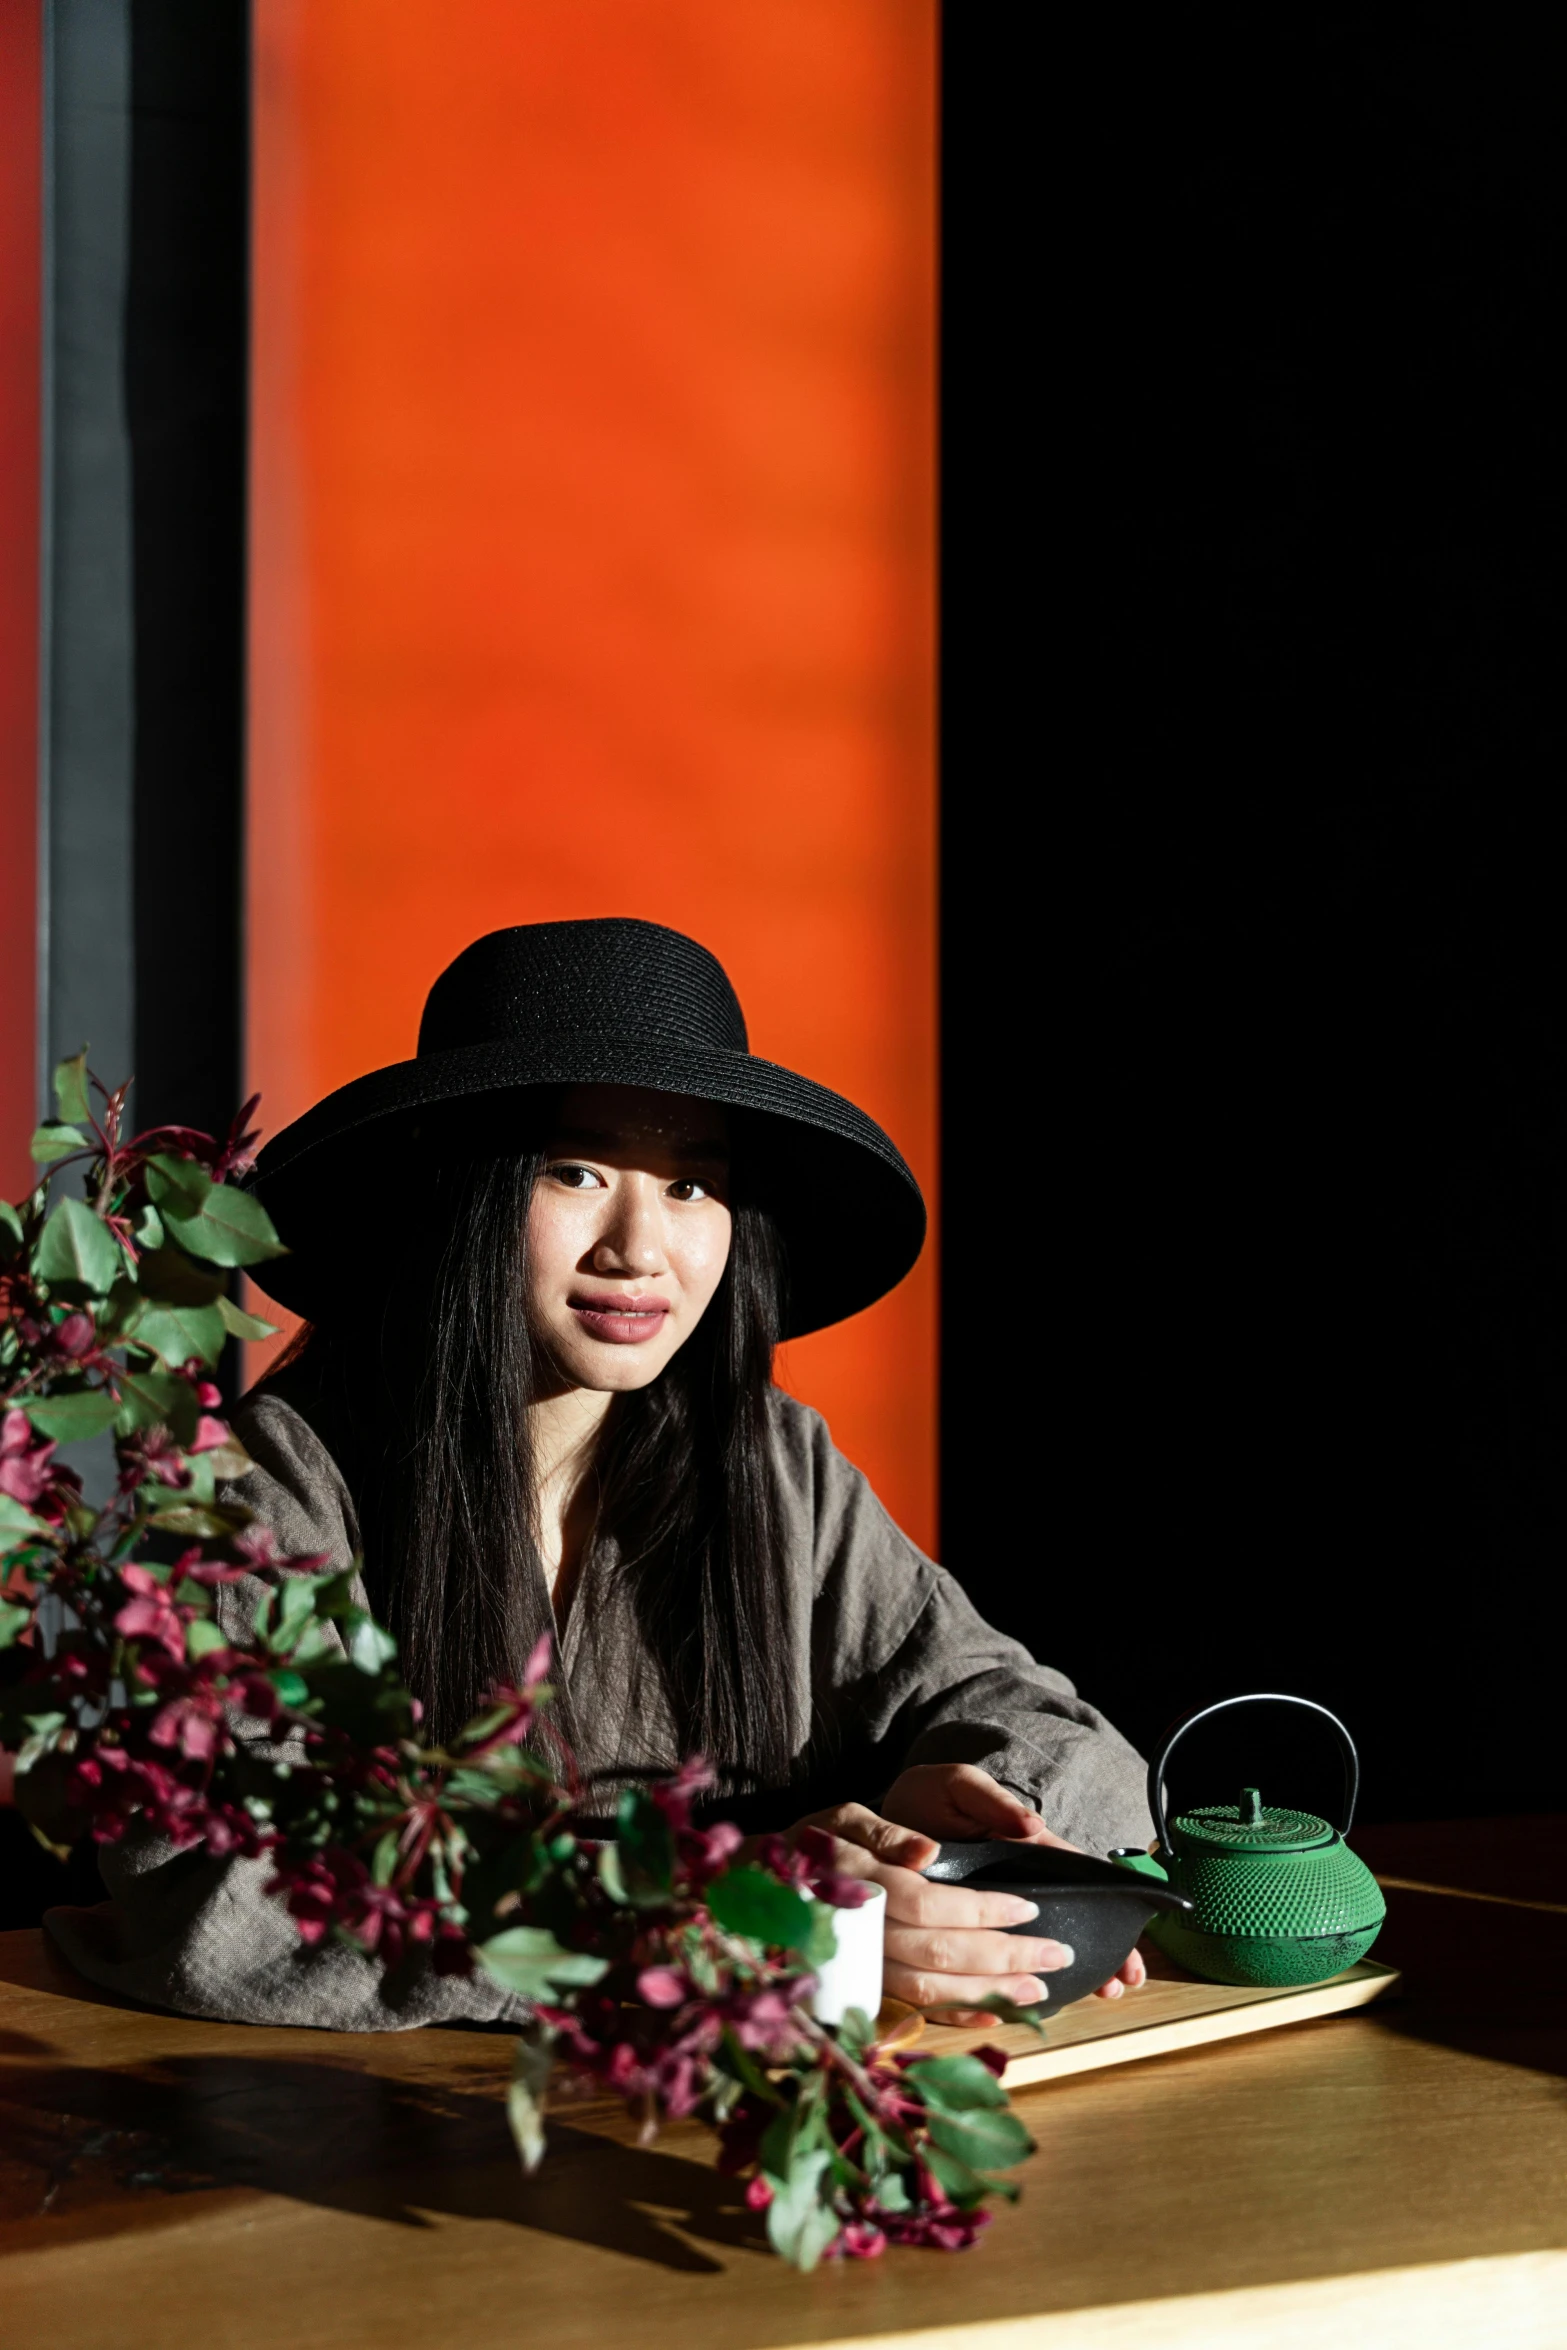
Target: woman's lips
<point x="622" y="1321"/>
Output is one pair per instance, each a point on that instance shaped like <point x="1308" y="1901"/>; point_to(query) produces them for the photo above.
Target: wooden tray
<point x="1172" y="2011"/>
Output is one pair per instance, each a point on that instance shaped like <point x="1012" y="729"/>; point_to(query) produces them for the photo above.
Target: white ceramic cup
<point x="852" y="1977"/>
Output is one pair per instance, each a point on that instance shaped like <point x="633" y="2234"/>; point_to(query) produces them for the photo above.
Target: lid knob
<point x="1250" y="1808"/>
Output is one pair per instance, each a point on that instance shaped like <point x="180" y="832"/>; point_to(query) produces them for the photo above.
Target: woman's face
<point x="628" y="1232"/>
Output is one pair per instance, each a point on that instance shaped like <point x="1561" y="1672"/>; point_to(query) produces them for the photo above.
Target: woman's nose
<point x="632" y="1241"/>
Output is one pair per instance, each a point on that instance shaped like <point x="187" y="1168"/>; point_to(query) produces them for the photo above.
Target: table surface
<point x="162" y="2178"/>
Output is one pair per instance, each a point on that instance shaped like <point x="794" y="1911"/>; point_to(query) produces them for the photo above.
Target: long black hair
<point x="421" y="1392"/>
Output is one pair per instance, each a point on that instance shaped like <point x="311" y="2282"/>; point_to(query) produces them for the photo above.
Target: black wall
<point x="186" y="365"/>
<point x="1255" y="870"/>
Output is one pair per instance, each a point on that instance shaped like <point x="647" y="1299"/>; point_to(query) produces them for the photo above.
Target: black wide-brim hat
<point x="525" y="1012"/>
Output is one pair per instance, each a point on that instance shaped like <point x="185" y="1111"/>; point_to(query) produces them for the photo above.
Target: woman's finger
<point x="863" y="1830"/>
<point x="976" y="1954"/>
<point x="914" y="1901"/>
<point x="920" y="1987"/>
<point x="1132" y="1975"/>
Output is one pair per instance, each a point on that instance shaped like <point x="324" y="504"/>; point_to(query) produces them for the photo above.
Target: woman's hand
<point x="961" y="1802"/>
<point x="944" y="1943"/>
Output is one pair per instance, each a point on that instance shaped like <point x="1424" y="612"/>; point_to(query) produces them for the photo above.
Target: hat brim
<point x="846" y="1206"/>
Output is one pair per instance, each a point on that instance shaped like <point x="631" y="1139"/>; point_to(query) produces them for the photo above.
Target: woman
<point x="544" y="1267"/>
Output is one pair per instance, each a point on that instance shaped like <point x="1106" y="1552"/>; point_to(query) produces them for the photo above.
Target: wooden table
<point x="1398" y="2176"/>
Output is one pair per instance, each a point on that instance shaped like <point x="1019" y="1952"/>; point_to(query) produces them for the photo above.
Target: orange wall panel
<point x="593" y="541"/>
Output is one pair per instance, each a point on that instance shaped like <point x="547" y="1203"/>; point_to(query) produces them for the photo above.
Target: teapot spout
<point x="1141" y="1864"/>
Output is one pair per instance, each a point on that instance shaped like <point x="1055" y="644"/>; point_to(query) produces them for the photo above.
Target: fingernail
<point x="1063" y="1955"/>
<point x="1114" y="1988"/>
<point x="1021" y="1913"/>
<point x="1032" y="1992"/>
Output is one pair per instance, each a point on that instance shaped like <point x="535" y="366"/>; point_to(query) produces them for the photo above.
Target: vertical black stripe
<point x="185" y="380"/>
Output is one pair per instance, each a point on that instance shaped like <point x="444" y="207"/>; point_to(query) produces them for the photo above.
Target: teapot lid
<point x="1250" y="1826"/>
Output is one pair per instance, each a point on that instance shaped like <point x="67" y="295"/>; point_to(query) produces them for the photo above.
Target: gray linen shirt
<point x="886" y="1663"/>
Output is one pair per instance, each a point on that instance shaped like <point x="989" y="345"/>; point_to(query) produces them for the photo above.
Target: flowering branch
<point x="667" y="1967"/>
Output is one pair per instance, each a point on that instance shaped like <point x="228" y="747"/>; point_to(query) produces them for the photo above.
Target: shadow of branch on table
<point x="100" y="2152"/>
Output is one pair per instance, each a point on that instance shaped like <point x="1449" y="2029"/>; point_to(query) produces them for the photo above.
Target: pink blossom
<point x="152" y="1615"/>
<point x="191" y="1723"/>
<point x="758" y="2193"/>
<point x="764" y="2019"/>
<point x="707" y="1850"/>
<point x="75" y="1336"/>
<point x="210" y="1433"/>
<point x="24" y="1459"/>
<point x="661" y="1986"/>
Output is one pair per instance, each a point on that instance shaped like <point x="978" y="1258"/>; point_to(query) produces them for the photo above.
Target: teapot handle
<point x="1204" y="1713"/>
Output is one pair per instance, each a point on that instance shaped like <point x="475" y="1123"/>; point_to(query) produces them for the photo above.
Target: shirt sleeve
<point x="183" y="1930"/>
<point x="904" y="1660"/>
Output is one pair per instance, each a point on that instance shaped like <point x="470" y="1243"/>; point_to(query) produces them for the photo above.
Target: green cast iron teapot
<point x="1277" y="1896"/>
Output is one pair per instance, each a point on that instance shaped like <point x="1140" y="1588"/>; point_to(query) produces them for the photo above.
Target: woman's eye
<point x="575" y="1178"/>
<point x="689" y="1188"/>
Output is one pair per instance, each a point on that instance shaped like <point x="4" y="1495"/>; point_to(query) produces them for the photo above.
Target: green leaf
<point x="748" y="1901"/>
<point x="202" y="1636"/>
<point x="532" y="2062"/>
<point x="174" y="1279"/>
<point x="70" y="1089"/>
<point x="17" y="1518"/>
<point x="800" y="2224"/>
<point x="292" y="1688"/>
<point x="891" y="2192"/>
<point x="239" y="1324"/>
<point x="529" y="1960"/>
<point x="115" y="1317"/>
<point x="964" y="2185"/>
<point x="316" y="1644"/>
<point x="183" y="1182"/>
<point x="985" y="2141"/>
<point x="296" y="1604"/>
<point x="147" y="1231"/>
<point x="178" y="1332"/>
<point x="54" y="1142"/>
<point x="46" y="1731"/>
<point x="821" y="1941"/>
<point x="229" y="1228"/>
<point x="70" y="1418"/>
<point x="148" y="1398"/>
<point x="77" y="1254"/>
<point x="14" y="1621"/>
<point x="1006" y="2011"/>
<point x="12" y="1231"/>
<point x="856" y="2034"/>
<point x="647" y="1848"/>
<point x="955" y="2084"/>
<point x="383" y="1863"/>
<point x="609" y="1874"/>
<point x="369" y="1646"/>
<point x="200" y="1525"/>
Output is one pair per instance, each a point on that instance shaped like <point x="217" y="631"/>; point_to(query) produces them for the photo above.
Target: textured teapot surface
<point x="1277" y="1895"/>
